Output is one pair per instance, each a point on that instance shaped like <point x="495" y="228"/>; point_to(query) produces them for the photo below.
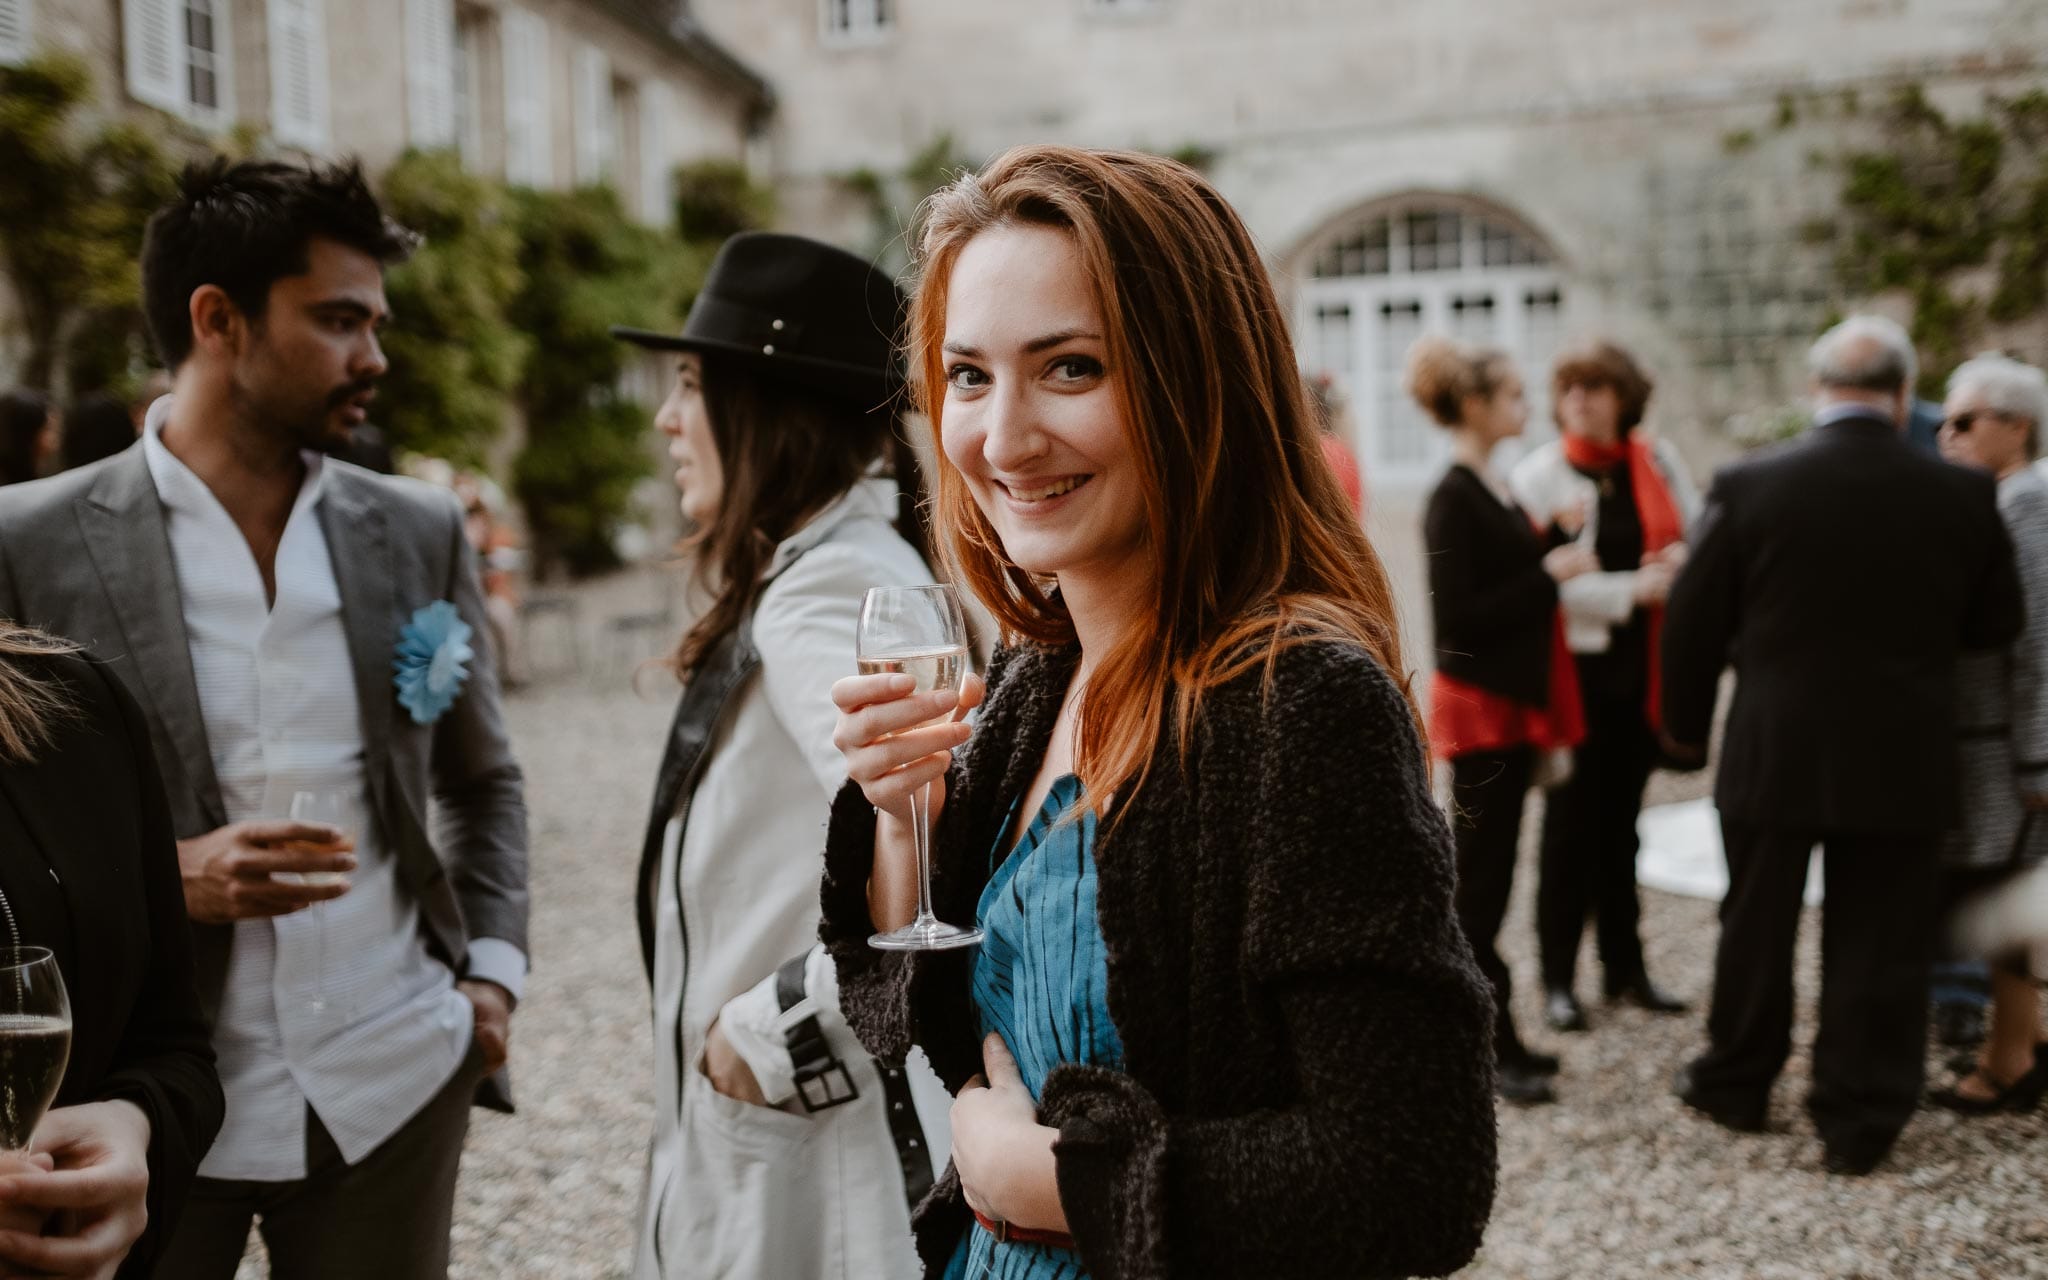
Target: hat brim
<point x="869" y="388"/>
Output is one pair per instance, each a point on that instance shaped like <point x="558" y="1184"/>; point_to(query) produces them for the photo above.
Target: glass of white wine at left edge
<point x="919" y="632"/>
<point x="35" y="1040"/>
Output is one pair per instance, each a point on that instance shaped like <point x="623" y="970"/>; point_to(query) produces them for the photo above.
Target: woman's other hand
<point x="1569" y="561"/>
<point x="98" y="1192"/>
<point x="1001" y="1152"/>
<point x="1570" y="518"/>
<point x="1653" y="582"/>
<point x="728" y="1071"/>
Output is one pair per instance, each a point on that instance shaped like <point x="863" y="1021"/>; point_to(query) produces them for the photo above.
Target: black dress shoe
<point x="1742" y="1119"/>
<point x="1853" y="1163"/>
<point x="1562" y="1011"/>
<point x="1959" y="1026"/>
<point x="1647" y="995"/>
<point x="1519" y="1084"/>
<point x="1543" y="1064"/>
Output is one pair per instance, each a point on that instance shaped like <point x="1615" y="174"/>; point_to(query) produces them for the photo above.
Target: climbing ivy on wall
<point x="1954" y="213"/>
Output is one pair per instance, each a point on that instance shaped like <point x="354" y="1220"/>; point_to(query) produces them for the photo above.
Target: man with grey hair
<point x="1841" y="574"/>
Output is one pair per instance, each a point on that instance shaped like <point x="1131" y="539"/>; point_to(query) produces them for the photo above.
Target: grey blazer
<point x="2002" y="707"/>
<point x="86" y="555"/>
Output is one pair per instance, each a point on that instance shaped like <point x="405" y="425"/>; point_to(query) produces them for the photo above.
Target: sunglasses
<point x="1962" y="422"/>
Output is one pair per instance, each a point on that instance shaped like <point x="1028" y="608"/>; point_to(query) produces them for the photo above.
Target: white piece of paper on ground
<point x="1681" y="853"/>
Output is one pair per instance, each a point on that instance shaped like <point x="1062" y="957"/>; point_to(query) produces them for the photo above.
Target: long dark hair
<point x="787" y="454"/>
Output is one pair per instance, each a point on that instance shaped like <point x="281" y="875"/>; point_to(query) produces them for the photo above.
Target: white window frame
<point x="299" y="28"/>
<point x="17" y="31"/>
<point x="528" y="77"/>
<point x="162" y="76"/>
<point x="430" y="73"/>
<point x="472" y="35"/>
<point x="594" y="109"/>
<point x="657" y="158"/>
<point x="847" y="24"/>
<point x="1341" y="330"/>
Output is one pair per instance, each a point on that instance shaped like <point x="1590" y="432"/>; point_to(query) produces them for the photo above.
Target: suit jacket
<point x="1494" y="606"/>
<point x="86" y="555"/>
<point x="89" y="863"/>
<point x="1841" y="573"/>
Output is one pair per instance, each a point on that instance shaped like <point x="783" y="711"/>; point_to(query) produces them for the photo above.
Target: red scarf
<point x="1658" y="514"/>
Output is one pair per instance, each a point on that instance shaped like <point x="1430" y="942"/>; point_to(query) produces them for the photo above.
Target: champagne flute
<point x="919" y="632"/>
<point x="329" y="807"/>
<point x="35" y="1040"/>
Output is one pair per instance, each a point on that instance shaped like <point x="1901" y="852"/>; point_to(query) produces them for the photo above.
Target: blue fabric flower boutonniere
<point x="432" y="662"/>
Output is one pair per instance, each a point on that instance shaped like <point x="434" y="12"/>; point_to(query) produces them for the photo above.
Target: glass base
<point x="925" y="935"/>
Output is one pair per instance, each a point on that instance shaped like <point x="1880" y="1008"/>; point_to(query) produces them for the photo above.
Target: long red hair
<point x="1254" y="545"/>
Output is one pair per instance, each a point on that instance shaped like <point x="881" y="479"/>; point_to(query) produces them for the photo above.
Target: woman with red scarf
<point x="1627" y="499"/>
<point x="1505" y="692"/>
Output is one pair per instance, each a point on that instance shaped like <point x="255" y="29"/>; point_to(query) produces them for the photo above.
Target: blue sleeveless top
<point x="1041" y="981"/>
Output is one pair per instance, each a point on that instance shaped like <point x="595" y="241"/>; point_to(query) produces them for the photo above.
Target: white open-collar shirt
<point x="363" y="1025"/>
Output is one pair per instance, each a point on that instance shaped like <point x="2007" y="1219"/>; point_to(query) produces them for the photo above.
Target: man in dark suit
<point x="260" y="598"/>
<point x="1840" y="574"/>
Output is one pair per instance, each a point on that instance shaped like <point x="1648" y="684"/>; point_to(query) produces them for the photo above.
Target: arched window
<point x="1425" y="264"/>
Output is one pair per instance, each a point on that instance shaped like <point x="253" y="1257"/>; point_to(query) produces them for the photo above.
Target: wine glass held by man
<point x="801" y="491"/>
<point x="1248" y="1038"/>
<point x="85" y="837"/>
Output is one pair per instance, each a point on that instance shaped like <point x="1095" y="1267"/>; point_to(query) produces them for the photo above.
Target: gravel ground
<point x="1616" y="1180"/>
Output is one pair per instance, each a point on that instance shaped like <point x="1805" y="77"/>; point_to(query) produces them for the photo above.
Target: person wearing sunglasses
<point x="1992" y="422"/>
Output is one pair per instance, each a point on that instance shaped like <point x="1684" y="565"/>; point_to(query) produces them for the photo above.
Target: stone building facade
<point x="1522" y="171"/>
<point x="544" y="93"/>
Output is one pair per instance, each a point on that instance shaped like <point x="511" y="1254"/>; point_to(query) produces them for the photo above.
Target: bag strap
<point x="823" y="1082"/>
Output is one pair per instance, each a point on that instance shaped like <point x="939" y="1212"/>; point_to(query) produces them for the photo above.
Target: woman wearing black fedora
<point x="780" y="1148"/>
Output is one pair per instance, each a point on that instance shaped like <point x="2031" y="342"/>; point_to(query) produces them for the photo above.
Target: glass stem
<point x="921" y="832"/>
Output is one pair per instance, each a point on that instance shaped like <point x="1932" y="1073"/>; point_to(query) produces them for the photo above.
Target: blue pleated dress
<point x="1041" y="981"/>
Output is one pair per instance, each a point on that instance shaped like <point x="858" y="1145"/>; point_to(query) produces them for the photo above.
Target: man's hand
<point x="98" y="1193"/>
<point x="492" y="1005"/>
<point x="228" y="873"/>
<point x="728" y="1071"/>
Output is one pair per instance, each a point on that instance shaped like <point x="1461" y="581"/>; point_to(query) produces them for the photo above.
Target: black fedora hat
<point x="797" y="311"/>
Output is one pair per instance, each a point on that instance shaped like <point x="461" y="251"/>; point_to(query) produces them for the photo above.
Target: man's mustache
<point x="366" y="388"/>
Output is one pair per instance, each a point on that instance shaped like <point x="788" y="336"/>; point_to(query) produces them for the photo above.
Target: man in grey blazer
<point x="294" y="624"/>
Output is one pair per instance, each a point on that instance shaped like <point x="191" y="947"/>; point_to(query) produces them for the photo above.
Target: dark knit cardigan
<point x="1307" y="1080"/>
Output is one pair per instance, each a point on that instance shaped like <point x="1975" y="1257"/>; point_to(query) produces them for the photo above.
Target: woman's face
<point x="682" y="418"/>
<point x="1031" y="417"/>
<point x="1591" y="413"/>
<point x="1973" y="434"/>
<point x="1503" y="415"/>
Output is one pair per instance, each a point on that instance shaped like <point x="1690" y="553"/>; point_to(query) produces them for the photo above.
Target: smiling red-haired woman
<point x="1223" y="1021"/>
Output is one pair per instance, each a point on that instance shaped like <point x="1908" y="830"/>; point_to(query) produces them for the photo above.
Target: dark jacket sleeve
<point x="1997" y="610"/>
<point x="164" y="1064"/>
<point x="479" y="793"/>
<point x="1465" y="599"/>
<point x="1390" y="1149"/>
<point x="1700" y="621"/>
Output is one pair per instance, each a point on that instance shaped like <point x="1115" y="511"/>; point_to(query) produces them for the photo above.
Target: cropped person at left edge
<point x="276" y="612"/>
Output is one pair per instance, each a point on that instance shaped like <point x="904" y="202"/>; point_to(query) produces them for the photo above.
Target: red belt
<point x="1008" y="1233"/>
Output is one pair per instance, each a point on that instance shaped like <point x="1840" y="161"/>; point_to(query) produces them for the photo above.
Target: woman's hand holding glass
<point x="95" y="1199"/>
<point x="896" y="741"/>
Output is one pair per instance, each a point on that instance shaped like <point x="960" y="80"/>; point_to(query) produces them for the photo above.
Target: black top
<point x="1308" y="1073"/>
<point x="1494" y="606"/>
<point x="1618" y="679"/>
<point x="1840" y="573"/>
<point x="89" y="863"/>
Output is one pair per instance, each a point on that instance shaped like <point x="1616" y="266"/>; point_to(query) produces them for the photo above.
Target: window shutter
<point x="430" y="72"/>
<point x="529" y="132"/>
<point x="593" y="100"/>
<point x="298" y="73"/>
<point x="153" y="42"/>
<point x="657" y="162"/>
<point x="15" y="19"/>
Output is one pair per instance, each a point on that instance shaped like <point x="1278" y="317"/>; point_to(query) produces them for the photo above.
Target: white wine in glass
<point x="35" y="1040"/>
<point x="328" y="807"/>
<point x="919" y="632"/>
